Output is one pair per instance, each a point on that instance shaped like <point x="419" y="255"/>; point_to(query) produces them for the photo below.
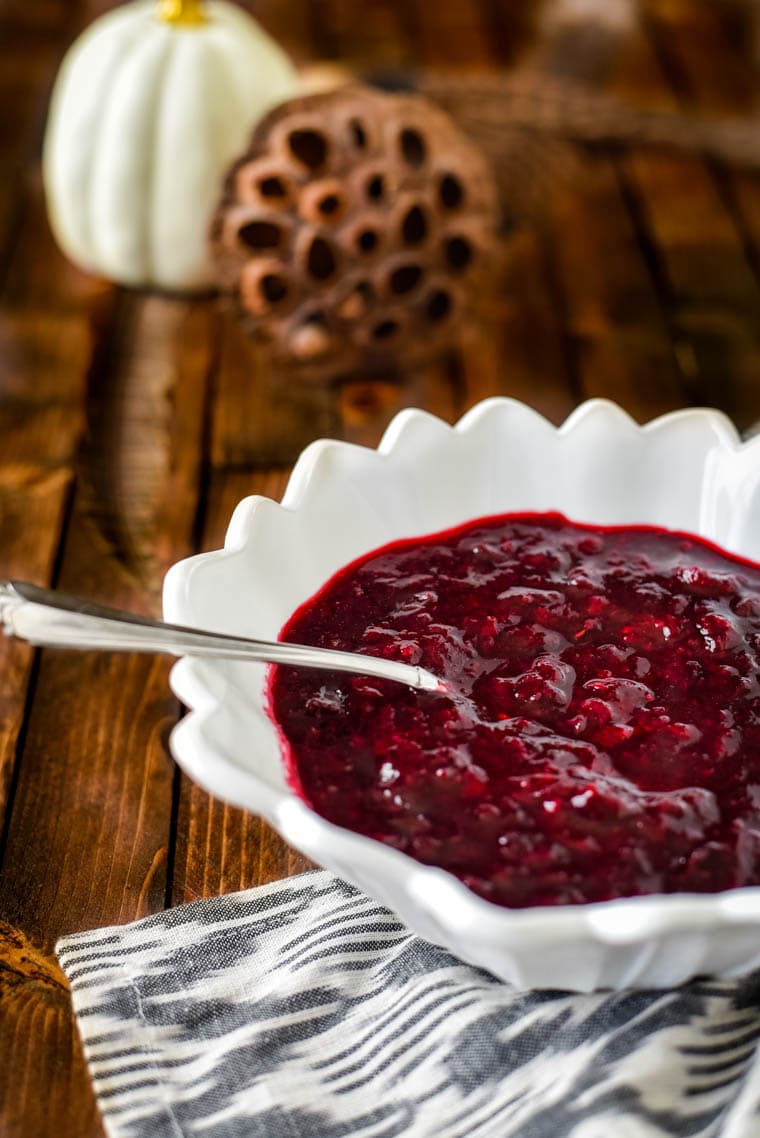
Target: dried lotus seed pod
<point x="357" y="232"/>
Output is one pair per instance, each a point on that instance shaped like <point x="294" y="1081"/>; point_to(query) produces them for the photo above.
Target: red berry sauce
<point x="604" y="739"/>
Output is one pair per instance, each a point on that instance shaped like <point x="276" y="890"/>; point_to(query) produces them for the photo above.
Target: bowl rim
<point x="620" y="921"/>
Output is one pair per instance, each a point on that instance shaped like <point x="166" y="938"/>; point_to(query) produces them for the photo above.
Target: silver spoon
<point x="44" y="617"/>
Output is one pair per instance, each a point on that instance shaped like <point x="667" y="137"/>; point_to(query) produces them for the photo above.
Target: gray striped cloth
<point x="305" y="1010"/>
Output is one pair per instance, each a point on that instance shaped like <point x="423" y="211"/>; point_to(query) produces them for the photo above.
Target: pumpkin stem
<point x="186" y="12"/>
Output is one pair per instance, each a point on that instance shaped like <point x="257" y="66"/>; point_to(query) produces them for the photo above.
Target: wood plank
<point x="27" y="68"/>
<point x="622" y="341"/>
<point x="31" y="505"/>
<point x="44" y="353"/>
<point x="605" y="281"/>
<point x="25" y="76"/>
<point x="721" y="345"/>
<point x="688" y="238"/>
<point x="220" y="848"/>
<point x="744" y="197"/>
<point x="38" y="1032"/>
<point x="288" y="22"/>
<point x="717" y="73"/>
<point x="510" y="29"/>
<point x="96" y="764"/>
<point x="703" y="225"/>
<point x="365" y="407"/>
<point x="490" y="355"/>
<point x="370" y="35"/>
<point x="261" y="415"/>
<point x="450" y="34"/>
<point x="619" y="335"/>
<point x="45" y="349"/>
<point x="87" y="841"/>
<point x="45" y="18"/>
<point x="707" y="52"/>
<point x="11" y="177"/>
<point x="702" y="256"/>
<point x="43" y="361"/>
<point x="145" y="462"/>
<point x="519" y="349"/>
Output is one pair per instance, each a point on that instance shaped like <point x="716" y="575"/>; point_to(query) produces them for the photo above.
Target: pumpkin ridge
<point x="98" y="128"/>
<point x="159" y="101"/>
<point x="140" y="40"/>
<point x="84" y="239"/>
<point x="220" y="54"/>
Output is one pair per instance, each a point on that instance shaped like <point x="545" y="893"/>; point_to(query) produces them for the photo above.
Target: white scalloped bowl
<point x="687" y="471"/>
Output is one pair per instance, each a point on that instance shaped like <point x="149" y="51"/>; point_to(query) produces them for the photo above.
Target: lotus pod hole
<point x="274" y="287"/>
<point x="405" y="279"/>
<point x="414" y="227"/>
<point x="309" y="147"/>
<point x="376" y="188"/>
<point x="438" y="307"/>
<point x="272" y="187"/>
<point x="450" y="192"/>
<point x="459" y="253"/>
<point x="260" y="234"/>
<point x="321" y="262"/>
<point x="413" y="147"/>
<point x="367" y="240"/>
<point x="385" y="330"/>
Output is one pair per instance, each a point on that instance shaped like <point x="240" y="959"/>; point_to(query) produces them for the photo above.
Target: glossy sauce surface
<point x="604" y="735"/>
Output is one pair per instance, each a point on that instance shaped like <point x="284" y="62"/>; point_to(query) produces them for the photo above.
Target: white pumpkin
<point x="150" y="106"/>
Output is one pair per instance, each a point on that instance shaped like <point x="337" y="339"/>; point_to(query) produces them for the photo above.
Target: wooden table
<point x="130" y="425"/>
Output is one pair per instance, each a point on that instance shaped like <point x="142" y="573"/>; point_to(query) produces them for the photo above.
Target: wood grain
<point x="620" y="342"/>
<point x="705" y="276"/>
<point x="87" y="840"/>
<point x="44" y="353"/>
<point x="95" y="781"/>
<point x="520" y="347"/>
<point x="259" y="415"/>
<point x="727" y="338"/>
<point x="450" y="34"/>
<point x="220" y="848"/>
<point x="38" y="1037"/>
<point x="29" y="504"/>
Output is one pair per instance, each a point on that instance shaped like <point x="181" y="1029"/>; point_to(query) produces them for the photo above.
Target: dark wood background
<point x="131" y="424"/>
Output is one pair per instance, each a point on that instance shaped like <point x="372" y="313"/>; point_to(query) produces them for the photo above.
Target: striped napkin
<point x="303" y="1009"/>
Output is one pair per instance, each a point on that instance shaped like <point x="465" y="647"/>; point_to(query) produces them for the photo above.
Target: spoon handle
<point x="44" y="617"/>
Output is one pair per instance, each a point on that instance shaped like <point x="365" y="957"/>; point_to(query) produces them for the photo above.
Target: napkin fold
<point x="303" y="1009"/>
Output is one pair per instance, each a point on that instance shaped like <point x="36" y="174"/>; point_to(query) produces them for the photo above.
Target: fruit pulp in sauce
<point x="602" y="738"/>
